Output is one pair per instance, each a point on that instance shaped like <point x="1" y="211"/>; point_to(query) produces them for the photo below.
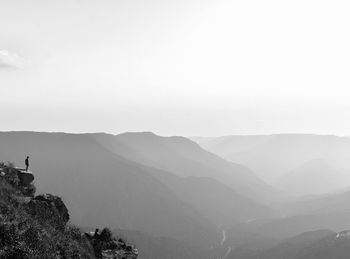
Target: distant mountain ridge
<point x="183" y="158"/>
<point x="287" y="249"/>
<point x="324" y="179"/>
<point x="318" y="244"/>
<point x="99" y="186"/>
<point x="123" y="182"/>
<point x="177" y="200"/>
<point x="272" y="157"/>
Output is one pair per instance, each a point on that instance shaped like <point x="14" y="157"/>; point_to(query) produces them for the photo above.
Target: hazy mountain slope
<point x="273" y="238"/>
<point x="288" y="249"/>
<point x="185" y="158"/>
<point x="324" y="178"/>
<point x="164" y="247"/>
<point x="272" y="156"/>
<point x="291" y="248"/>
<point x="336" y="202"/>
<point x="320" y="244"/>
<point x="335" y="246"/>
<point x="100" y="187"/>
<point x="282" y="228"/>
<point x="216" y="201"/>
<point x="226" y="146"/>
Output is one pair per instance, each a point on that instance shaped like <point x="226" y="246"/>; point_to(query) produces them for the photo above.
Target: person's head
<point x="27" y="157"/>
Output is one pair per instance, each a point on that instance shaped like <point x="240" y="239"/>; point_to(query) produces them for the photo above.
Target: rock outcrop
<point x="36" y="227"/>
<point x="108" y="247"/>
<point x="25" y="177"/>
<point x="18" y="177"/>
<point x="50" y="207"/>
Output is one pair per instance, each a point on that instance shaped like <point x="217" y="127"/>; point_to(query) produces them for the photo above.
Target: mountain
<point x="217" y="202"/>
<point x="333" y="202"/>
<point x="274" y="156"/>
<point x="324" y="179"/>
<point x="100" y="187"/>
<point x="177" y="200"/>
<point x="280" y="228"/>
<point x="287" y="249"/>
<point x="33" y="227"/>
<point x="319" y="244"/>
<point x="164" y="247"/>
<point x="227" y="146"/>
<point x="251" y="238"/>
<point x="335" y="246"/>
<point x="120" y="181"/>
<point x="184" y="158"/>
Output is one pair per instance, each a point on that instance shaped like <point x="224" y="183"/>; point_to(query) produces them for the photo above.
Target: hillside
<point x="324" y="179"/>
<point x="100" y="187"/>
<point x="273" y="156"/>
<point x="334" y="246"/>
<point x="332" y="202"/>
<point x="169" y="196"/>
<point x="151" y="247"/>
<point x="217" y="202"/>
<point x="36" y="226"/>
<point x="318" y="244"/>
<point x="266" y="234"/>
<point x="184" y="158"/>
<point x="287" y="249"/>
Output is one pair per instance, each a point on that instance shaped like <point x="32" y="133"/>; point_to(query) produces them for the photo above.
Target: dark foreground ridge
<point x="36" y="226"/>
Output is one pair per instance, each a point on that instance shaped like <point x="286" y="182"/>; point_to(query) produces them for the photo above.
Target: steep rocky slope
<point x="36" y="226"/>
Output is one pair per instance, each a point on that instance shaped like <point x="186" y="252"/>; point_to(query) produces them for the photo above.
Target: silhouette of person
<point x="96" y="234"/>
<point x="27" y="163"/>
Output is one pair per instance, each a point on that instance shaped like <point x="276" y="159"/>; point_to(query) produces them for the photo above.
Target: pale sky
<point x="180" y="67"/>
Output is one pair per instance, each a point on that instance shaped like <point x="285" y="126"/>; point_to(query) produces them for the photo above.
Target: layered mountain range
<point x="175" y="198"/>
<point x="299" y="164"/>
<point x="165" y="187"/>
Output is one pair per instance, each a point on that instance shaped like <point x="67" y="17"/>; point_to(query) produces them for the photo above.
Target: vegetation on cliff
<point x="36" y="227"/>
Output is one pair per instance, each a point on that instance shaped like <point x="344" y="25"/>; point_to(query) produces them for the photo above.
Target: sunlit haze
<point x="175" y="67"/>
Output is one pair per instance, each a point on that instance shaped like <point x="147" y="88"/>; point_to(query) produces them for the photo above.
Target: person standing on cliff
<point x="27" y="163"/>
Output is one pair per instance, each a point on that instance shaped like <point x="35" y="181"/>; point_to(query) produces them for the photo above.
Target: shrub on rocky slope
<point x="36" y="227"/>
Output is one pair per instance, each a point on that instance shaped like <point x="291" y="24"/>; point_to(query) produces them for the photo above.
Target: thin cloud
<point x="10" y="60"/>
